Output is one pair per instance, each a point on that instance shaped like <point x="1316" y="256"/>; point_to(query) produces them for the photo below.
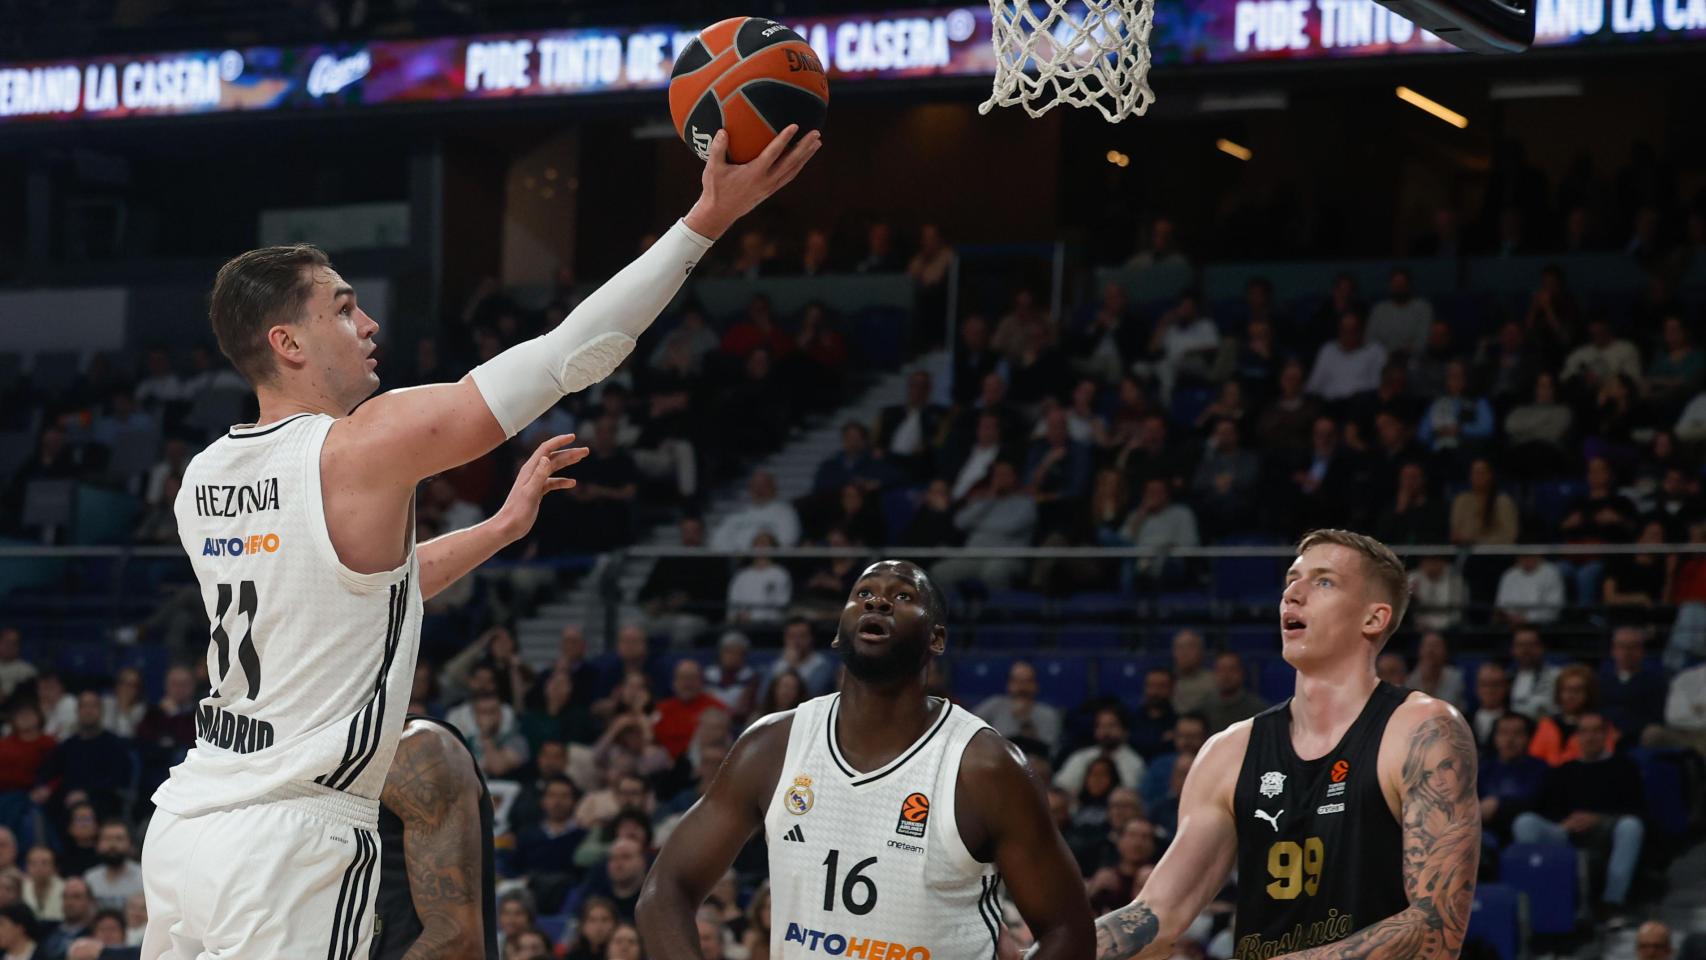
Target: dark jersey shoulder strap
<point x="399" y="925"/>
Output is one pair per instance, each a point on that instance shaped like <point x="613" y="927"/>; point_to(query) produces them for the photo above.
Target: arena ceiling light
<point x="1238" y="103"/>
<point x="1118" y="159"/>
<point x="1534" y="89"/>
<point x="1233" y="149"/>
<point x="1433" y="107"/>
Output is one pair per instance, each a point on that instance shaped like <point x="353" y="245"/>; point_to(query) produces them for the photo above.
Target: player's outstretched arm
<point x="447" y="559"/>
<point x="433" y="789"/>
<point x="709" y="837"/>
<point x="1195" y="865"/>
<point x="1442" y="841"/>
<point x="1041" y="876"/>
<point x="398" y="438"/>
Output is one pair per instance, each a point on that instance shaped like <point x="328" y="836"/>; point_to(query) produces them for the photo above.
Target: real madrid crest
<point x="1273" y="782"/>
<point x="798" y="799"/>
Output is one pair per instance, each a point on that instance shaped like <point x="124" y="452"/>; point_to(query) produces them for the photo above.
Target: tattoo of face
<point x="441" y="845"/>
<point x="1442" y="847"/>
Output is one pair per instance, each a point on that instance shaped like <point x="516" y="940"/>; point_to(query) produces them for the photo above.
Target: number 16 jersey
<point x="870" y="865"/>
<point x="311" y="663"/>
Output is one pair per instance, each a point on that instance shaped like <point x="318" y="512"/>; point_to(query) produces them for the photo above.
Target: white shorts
<point x="291" y="878"/>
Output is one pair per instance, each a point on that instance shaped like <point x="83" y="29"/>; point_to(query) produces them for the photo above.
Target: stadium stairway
<point x="794" y="465"/>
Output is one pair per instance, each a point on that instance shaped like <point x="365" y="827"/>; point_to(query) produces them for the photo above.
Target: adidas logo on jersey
<point x="796" y="834"/>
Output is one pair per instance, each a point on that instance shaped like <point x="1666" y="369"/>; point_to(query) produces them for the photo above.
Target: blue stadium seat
<point x="1063" y="679"/>
<point x="1260" y="640"/>
<point x="152" y="661"/>
<point x="1091" y="638"/>
<point x="1661" y="781"/>
<point x="1496" y="920"/>
<point x="1122" y="676"/>
<point x="976" y="676"/>
<point x="1099" y="605"/>
<point x="84" y="661"/>
<point x="1271" y="677"/>
<point x="1187" y="402"/>
<point x="1249" y="579"/>
<point x="1018" y="639"/>
<point x="553" y="928"/>
<point x="1546" y="872"/>
<point x="1022" y="603"/>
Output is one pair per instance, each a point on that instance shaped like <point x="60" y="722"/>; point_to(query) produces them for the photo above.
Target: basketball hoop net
<point x="1088" y="53"/>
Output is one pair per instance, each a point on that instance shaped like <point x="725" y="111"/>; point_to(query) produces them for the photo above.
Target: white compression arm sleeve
<point x="526" y="380"/>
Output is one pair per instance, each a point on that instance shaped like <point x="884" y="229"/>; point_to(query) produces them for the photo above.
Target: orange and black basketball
<point x="748" y="75"/>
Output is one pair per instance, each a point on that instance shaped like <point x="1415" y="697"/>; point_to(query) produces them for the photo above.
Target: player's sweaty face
<point x="884" y="630"/>
<point x="1324" y="603"/>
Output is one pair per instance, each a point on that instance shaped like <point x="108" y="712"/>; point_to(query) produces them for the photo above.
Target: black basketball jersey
<point x="399" y="926"/>
<point x="1319" y="853"/>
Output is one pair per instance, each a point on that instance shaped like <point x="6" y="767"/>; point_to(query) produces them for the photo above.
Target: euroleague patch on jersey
<point x="799" y="797"/>
<point x="1340" y="771"/>
<point x="914" y="814"/>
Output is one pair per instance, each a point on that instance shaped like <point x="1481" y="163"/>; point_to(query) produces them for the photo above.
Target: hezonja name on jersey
<point x="238" y="546"/>
<point x="837" y="945"/>
<point x="234" y="499"/>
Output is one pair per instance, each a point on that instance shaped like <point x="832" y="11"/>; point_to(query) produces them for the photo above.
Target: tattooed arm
<point x="433" y="789"/>
<point x="1195" y="865"/>
<point x="1433" y="753"/>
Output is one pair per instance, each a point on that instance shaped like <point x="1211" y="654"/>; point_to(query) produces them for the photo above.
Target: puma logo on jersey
<point x="1271" y="818"/>
<point x="796" y="835"/>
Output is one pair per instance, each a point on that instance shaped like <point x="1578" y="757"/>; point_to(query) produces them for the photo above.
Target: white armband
<point x="529" y="378"/>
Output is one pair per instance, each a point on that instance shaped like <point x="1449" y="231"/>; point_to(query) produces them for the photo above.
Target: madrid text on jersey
<point x="236" y="499"/>
<point x="838" y="945"/>
<point x="234" y="732"/>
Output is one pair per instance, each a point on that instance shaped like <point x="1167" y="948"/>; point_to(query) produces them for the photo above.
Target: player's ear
<point x="938" y="639"/>
<point x="1379" y="615"/>
<point x="282" y="338"/>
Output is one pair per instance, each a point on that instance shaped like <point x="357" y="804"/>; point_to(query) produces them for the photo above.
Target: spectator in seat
<point x="1289" y="422"/>
<point x="497" y="743"/>
<point x="1507" y="365"/>
<point x="1231" y="702"/>
<point x="593" y="931"/>
<point x="1400" y="323"/>
<point x="1414" y="516"/>
<point x="1183" y="344"/>
<point x="880" y="254"/>
<point x="1685" y="712"/>
<point x="1018" y="713"/>
<point x="684" y="595"/>
<point x="1057" y="474"/>
<point x="1153" y="725"/>
<point x="758" y="329"/>
<point x="1534" y="682"/>
<point x="764" y="513"/>
<point x="548" y="847"/>
<point x="162" y="391"/>
<point x="1653" y="942"/>
<point x="1510" y="781"/>
<point x="1457" y="421"/>
<point x="555" y="716"/>
<point x="1346" y="366"/>
<point x="1011" y="334"/>
<point x="1158" y="521"/>
<point x="1604" y="356"/>
<point x="1110" y="744"/>
<point x="814" y="254"/>
<point x="619" y="880"/>
<point x="119" y="876"/>
<point x="1111" y="887"/>
<point x="1160" y="248"/>
<point x="755" y="256"/>
<point x="1038" y="371"/>
<point x="1677" y="370"/>
<point x="816" y="669"/>
<point x="1434" y="675"/>
<point x="909" y="432"/>
<point x="928" y="269"/>
<point x="678" y="715"/>
<point x="1553" y="321"/>
<point x="515" y="919"/>
<point x="933" y="523"/>
<point x="1593" y="800"/>
<point x="761" y="590"/>
<point x="731" y="678"/>
<point x="1492" y="701"/>
<point x="91" y="763"/>
<point x="854" y="464"/>
<point x="43" y="890"/>
<point x="1193" y="686"/>
<point x="1110" y="339"/>
<point x="691" y="339"/>
<point x="1225" y="482"/>
<point x="1438" y="595"/>
<point x="997" y="514"/>
<point x="1189" y="733"/>
<point x="17" y="932"/>
<point x="1556" y="739"/>
<point x="1530" y="591"/>
<point x="975" y="359"/>
<point x="1634" y="585"/>
<point x="1632" y="693"/>
<point x="971" y="470"/>
<point x="1537" y="433"/>
<point x="756" y="407"/>
<point x="14" y="669"/>
<point x="58" y="706"/>
<point x="821" y="361"/>
<point x="24" y="751"/>
<point x="1483" y="514"/>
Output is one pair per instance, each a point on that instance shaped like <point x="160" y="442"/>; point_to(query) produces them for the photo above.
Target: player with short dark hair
<point x="1350" y="809"/>
<point x="892" y="817"/>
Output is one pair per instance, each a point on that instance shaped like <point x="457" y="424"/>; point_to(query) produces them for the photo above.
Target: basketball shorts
<point x="286" y="878"/>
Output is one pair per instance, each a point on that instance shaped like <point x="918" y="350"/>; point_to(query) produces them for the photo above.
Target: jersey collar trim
<point x="860" y="779"/>
<point x="248" y="430"/>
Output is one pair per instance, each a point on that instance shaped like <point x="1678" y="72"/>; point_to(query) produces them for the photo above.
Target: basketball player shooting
<point x="892" y="818"/>
<point x="299" y="528"/>
<point x="1350" y="809"/>
<point x="437" y="885"/>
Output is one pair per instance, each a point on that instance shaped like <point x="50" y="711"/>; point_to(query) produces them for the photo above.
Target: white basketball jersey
<point x="870" y="866"/>
<point x="311" y="663"/>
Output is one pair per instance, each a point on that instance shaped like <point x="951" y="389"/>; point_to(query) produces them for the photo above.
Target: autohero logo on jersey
<point x="236" y="499"/>
<point x="847" y="945"/>
<point x="255" y="543"/>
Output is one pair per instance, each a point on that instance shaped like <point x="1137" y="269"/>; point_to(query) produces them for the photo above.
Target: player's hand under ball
<point x="535" y="479"/>
<point x="729" y="191"/>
